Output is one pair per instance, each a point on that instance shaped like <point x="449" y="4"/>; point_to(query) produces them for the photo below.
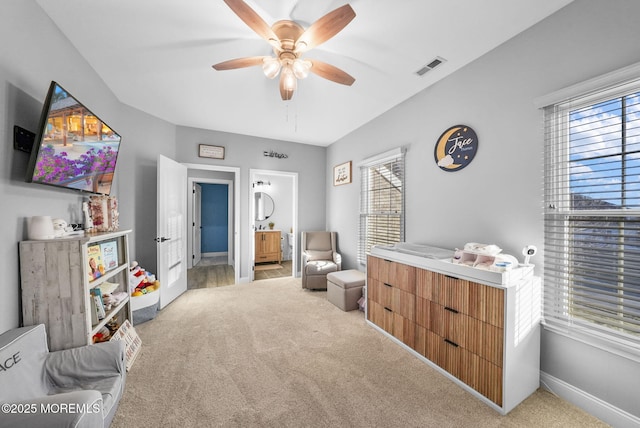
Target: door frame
<point x="230" y="208"/>
<point x="236" y="207"/>
<point x="252" y="221"/>
<point x="196" y="225"/>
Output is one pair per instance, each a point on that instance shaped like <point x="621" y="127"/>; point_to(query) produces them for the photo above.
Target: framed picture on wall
<point x="213" y="152"/>
<point x="342" y="174"/>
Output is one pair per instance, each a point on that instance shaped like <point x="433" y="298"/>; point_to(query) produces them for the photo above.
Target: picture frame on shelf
<point x="209" y="151"/>
<point x="342" y="174"/>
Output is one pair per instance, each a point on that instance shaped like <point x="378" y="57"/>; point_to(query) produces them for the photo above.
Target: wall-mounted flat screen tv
<point x="73" y="149"/>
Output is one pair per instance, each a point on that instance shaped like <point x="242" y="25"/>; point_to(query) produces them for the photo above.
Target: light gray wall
<point x="32" y="53"/>
<point x="246" y="152"/>
<point x="498" y="197"/>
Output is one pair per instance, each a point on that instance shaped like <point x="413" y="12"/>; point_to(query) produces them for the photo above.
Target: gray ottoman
<point x="344" y="288"/>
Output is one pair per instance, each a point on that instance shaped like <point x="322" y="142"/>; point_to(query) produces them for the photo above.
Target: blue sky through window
<point x="604" y="153"/>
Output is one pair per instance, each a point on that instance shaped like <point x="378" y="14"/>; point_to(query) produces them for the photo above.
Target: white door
<point x="171" y="239"/>
<point x="197" y="223"/>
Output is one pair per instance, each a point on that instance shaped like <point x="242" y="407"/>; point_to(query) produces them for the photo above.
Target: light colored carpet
<point x="269" y="354"/>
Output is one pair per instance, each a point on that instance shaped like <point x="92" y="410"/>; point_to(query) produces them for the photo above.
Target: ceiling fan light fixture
<point x="271" y="67"/>
<point x="275" y="43"/>
<point x="301" y="68"/>
<point x="301" y="46"/>
<point x="289" y="81"/>
<point x="289" y="40"/>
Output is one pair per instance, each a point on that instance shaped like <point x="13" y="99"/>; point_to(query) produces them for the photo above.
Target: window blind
<point x="592" y="214"/>
<point x="381" y="202"/>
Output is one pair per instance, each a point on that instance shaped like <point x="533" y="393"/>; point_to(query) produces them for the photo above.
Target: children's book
<point x="95" y="263"/>
<point x="96" y="295"/>
<point x="109" y="252"/>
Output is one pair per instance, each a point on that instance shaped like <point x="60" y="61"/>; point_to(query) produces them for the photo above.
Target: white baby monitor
<point x="527" y="252"/>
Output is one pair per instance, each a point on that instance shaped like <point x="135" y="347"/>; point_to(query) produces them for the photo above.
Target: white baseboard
<point x="223" y="253"/>
<point x="600" y="409"/>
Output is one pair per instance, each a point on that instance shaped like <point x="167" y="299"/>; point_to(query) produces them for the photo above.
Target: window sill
<point x="619" y="348"/>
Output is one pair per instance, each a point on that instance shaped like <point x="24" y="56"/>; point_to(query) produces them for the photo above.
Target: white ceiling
<point x="156" y="56"/>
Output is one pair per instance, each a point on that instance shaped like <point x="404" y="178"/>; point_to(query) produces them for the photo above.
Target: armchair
<point x="319" y="257"/>
<point x="79" y="387"/>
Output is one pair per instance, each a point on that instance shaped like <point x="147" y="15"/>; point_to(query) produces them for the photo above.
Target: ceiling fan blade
<point x="325" y="28"/>
<point x="232" y="64"/>
<point x="253" y="20"/>
<point x="331" y="72"/>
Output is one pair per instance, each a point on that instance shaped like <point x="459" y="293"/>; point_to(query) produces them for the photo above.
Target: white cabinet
<point x="56" y="285"/>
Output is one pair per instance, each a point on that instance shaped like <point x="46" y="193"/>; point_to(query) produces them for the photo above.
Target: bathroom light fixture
<point x="261" y="183"/>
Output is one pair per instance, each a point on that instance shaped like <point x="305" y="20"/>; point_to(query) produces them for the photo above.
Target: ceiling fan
<point x="289" y="41"/>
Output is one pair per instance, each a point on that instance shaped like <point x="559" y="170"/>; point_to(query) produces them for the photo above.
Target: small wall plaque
<point x="456" y="148"/>
<point x="213" y="152"/>
<point x="342" y="174"/>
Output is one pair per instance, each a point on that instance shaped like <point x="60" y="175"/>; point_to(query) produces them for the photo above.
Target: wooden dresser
<point x="484" y="335"/>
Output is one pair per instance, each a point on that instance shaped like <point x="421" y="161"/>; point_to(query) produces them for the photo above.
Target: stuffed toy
<point x="59" y="227"/>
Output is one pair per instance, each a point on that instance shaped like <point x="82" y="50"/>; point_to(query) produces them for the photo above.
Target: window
<point x="592" y="215"/>
<point x="381" y="202"/>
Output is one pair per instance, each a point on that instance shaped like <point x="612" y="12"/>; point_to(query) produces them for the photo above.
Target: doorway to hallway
<point x="213" y="220"/>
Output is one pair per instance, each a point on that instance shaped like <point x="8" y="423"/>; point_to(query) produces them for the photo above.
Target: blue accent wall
<point x="215" y="218"/>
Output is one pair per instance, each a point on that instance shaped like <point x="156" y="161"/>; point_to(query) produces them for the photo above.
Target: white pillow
<point x="22" y="373"/>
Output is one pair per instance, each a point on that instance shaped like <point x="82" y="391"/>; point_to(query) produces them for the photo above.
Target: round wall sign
<point x="456" y="148"/>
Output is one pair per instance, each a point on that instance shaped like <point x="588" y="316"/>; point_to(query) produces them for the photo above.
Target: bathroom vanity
<point x="268" y="247"/>
<point x="478" y="327"/>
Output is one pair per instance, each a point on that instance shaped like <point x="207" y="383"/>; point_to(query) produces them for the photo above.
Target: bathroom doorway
<point x="274" y="211"/>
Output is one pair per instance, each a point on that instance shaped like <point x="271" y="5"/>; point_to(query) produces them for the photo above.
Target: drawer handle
<point x="451" y="343"/>
<point x="451" y="309"/>
<point x="388" y="285"/>
<point x="387" y="309"/>
<point x="452" y="277"/>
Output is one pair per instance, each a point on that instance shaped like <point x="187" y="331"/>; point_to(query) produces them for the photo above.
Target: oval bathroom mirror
<point x="264" y="206"/>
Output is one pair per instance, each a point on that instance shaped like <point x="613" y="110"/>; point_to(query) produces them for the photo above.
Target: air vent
<point x="433" y="64"/>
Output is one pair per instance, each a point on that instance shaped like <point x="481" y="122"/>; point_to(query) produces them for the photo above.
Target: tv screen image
<point x="73" y="148"/>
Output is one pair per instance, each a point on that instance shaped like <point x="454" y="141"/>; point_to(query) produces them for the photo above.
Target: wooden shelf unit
<point x="484" y="337"/>
<point x="56" y="286"/>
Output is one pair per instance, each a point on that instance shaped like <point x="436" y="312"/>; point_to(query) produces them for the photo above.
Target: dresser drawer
<point x="478" y="337"/>
<point x="485" y="377"/>
<point x="394" y="274"/>
<point x="451" y="292"/>
<point x="479" y="301"/>
<point x="393" y="298"/>
<point x="486" y="303"/>
<point x="449" y="324"/>
<point x="392" y="322"/>
<point x="479" y="373"/>
<point x="485" y="340"/>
